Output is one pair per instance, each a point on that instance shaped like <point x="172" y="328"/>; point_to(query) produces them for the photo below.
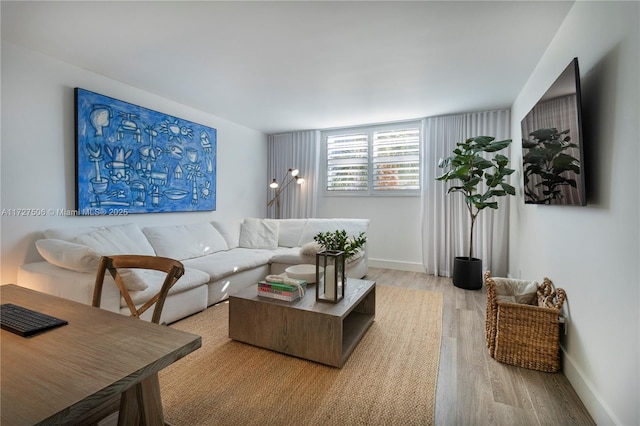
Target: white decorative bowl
<point x="302" y="272"/>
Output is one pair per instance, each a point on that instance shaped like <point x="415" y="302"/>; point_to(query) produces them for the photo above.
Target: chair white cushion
<point x="185" y="241"/>
<point x="76" y="257"/>
<point x="259" y="234"/>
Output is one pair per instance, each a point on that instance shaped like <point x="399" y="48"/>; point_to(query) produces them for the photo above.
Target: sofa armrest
<point x="68" y="284"/>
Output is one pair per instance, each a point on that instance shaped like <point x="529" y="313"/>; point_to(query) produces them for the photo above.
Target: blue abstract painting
<point x="131" y="159"/>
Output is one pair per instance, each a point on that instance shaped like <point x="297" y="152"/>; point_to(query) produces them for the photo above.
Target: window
<point x="381" y="159"/>
<point x="348" y="162"/>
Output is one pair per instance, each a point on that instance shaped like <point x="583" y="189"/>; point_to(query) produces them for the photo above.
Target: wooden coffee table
<point x="317" y="331"/>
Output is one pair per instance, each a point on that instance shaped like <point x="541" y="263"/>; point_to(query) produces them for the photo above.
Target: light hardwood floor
<point x="475" y="389"/>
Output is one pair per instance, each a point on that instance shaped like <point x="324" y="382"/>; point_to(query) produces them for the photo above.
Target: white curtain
<point x="298" y="150"/>
<point x="445" y="218"/>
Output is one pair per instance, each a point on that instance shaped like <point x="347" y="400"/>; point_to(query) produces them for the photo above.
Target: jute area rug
<point x="390" y="378"/>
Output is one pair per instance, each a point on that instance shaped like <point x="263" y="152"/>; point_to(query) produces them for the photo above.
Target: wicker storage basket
<point x="525" y="335"/>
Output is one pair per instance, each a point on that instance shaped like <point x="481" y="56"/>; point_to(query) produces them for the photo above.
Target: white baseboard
<point x="399" y="266"/>
<point x="596" y="407"/>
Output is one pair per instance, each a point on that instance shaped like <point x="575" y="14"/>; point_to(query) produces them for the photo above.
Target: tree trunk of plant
<point x="473" y="222"/>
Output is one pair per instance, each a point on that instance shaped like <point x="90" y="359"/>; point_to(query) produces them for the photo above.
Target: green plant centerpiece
<point x="339" y="241"/>
<point x="480" y="180"/>
<point x="547" y="165"/>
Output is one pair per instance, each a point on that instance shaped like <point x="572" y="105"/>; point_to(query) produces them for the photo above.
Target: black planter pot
<point x="467" y="274"/>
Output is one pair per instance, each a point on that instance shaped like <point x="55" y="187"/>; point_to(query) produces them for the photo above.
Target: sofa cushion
<point x="292" y="256"/>
<point x="313" y="248"/>
<point x="289" y="232"/>
<point x="259" y="234"/>
<point x="76" y="257"/>
<point x="225" y="263"/>
<point x="111" y="240"/>
<point x="68" y="234"/>
<point x="132" y="231"/>
<point x="353" y="227"/>
<point x="185" y="241"/>
<point x="153" y="279"/>
<point x="230" y="231"/>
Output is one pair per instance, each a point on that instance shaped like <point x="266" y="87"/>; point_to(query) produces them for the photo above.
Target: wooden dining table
<point x="61" y="375"/>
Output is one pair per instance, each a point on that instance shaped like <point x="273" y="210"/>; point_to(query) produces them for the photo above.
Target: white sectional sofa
<point x="219" y="258"/>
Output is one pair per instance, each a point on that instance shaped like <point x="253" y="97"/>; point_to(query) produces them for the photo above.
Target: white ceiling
<point x="281" y="66"/>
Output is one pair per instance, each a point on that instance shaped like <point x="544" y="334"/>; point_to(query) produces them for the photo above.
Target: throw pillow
<point x="230" y="231"/>
<point x="516" y="291"/>
<point x="289" y="232"/>
<point x="141" y="279"/>
<point x="81" y="258"/>
<point x="76" y="257"/>
<point x="131" y="230"/>
<point x="310" y="249"/>
<point x="259" y="233"/>
<point x="109" y="241"/>
<point x="358" y="254"/>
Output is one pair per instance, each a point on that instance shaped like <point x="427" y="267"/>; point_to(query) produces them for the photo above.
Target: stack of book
<point x="287" y="289"/>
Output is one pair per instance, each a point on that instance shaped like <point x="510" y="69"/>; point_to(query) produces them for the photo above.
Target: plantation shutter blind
<point x="396" y="159"/>
<point x="347" y="162"/>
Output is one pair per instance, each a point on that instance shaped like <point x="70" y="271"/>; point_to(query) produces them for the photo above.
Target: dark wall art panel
<point x="131" y="159"/>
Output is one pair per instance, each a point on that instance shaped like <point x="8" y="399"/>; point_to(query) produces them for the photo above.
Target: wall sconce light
<point x="290" y="176"/>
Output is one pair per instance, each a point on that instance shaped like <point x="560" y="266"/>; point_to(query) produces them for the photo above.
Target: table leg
<point x="151" y="402"/>
<point x="129" y="407"/>
<point x="142" y="404"/>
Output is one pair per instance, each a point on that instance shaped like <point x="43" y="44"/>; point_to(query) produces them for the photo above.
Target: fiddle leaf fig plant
<point x="479" y="179"/>
<point x="339" y="241"/>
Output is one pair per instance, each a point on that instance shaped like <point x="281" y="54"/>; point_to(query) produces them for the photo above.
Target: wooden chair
<point x="173" y="268"/>
<point x="149" y="389"/>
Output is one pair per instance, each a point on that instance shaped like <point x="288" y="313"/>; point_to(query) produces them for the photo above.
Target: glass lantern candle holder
<point x="330" y="278"/>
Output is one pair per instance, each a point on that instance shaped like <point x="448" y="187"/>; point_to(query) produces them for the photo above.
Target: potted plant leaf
<point x="339" y="241"/>
<point x="480" y="180"/>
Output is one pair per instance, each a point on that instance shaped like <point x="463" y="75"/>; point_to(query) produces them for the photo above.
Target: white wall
<point x="593" y="252"/>
<point x="42" y="160"/>
<point x="38" y="162"/>
<point x="394" y="236"/>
